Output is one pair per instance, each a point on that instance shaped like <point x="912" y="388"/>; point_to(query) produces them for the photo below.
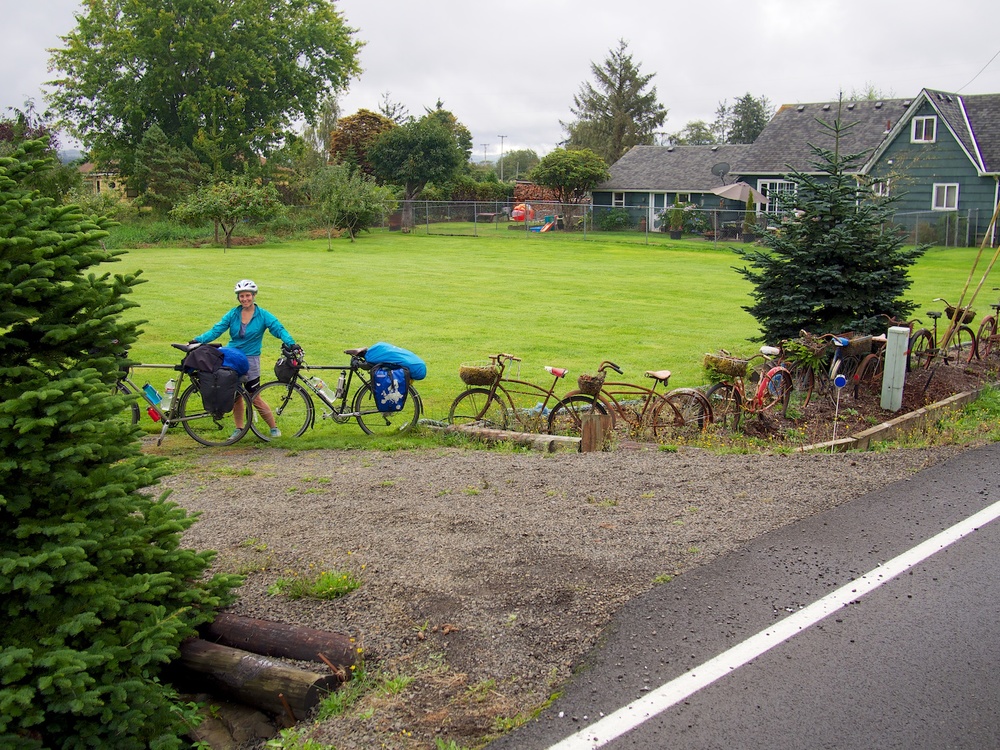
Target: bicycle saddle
<point x="359" y="352"/>
<point x="190" y="347"/>
<point x="559" y="372"/>
<point x="661" y="375"/>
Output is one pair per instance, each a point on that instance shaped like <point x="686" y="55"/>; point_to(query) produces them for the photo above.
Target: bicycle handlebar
<point x="509" y="357"/>
<point x="608" y="363"/>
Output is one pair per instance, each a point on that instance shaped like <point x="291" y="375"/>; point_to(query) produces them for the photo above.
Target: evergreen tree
<point x="835" y="264"/>
<point x="619" y="113"/>
<point x="96" y="593"/>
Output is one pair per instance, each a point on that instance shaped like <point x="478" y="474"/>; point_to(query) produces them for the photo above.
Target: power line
<point x="981" y="71"/>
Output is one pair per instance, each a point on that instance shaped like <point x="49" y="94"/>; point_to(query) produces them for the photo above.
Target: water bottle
<point x="321" y="386"/>
<point x="340" y="385"/>
<point x="153" y="413"/>
<point x="151" y="394"/>
<point x="168" y="396"/>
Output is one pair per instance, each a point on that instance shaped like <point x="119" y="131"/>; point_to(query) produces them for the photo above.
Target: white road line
<point x="635" y="713"/>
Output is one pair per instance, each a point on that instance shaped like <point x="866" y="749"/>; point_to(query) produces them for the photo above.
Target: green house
<point x="938" y="154"/>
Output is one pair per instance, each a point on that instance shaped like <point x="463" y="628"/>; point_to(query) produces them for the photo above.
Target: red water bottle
<point x="153" y="413"/>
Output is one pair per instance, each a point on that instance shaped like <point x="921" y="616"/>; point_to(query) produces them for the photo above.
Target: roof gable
<point x="671" y="168"/>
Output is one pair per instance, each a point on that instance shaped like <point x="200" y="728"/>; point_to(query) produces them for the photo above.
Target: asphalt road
<point x="789" y="644"/>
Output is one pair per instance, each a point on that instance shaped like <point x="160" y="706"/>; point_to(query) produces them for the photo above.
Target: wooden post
<point x="594" y="431"/>
<point x="256" y="680"/>
<point x="281" y="640"/>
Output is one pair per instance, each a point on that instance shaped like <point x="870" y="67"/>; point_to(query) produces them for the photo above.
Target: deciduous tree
<point x="350" y="201"/>
<point x="743" y="121"/>
<point x="226" y="79"/>
<point x="229" y="203"/>
<point x="571" y="174"/>
<point x="96" y="591"/>
<point x="619" y="112"/>
<point x="354" y="135"/>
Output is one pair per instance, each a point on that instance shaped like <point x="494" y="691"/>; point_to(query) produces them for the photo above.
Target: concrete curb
<point x="913" y="421"/>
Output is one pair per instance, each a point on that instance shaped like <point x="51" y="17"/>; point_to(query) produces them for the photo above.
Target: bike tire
<point x="986" y="337"/>
<point x="964" y="344"/>
<point x="775" y="389"/>
<point x="566" y="417"/>
<point x="291" y="407"/>
<point x="920" y="350"/>
<point x="131" y="411"/>
<point x="868" y="376"/>
<point x="692" y="406"/>
<point x="727" y="405"/>
<point x="208" y="429"/>
<point x="480" y="408"/>
<point x="385" y="423"/>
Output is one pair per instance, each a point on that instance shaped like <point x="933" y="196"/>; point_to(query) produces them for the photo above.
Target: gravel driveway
<point x="487" y="575"/>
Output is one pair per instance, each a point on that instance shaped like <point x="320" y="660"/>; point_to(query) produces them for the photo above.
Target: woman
<point x="246" y="324"/>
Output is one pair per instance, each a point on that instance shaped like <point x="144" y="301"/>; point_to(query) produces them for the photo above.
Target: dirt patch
<point x="489" y="575"/>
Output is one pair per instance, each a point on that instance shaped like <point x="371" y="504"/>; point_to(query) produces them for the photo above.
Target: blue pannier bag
<point x="234" y="359"/>
<point x="387" y="354"/>
<point x="390" y="386"/>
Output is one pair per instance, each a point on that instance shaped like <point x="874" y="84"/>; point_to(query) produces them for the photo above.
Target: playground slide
<point x="547" y="227"/>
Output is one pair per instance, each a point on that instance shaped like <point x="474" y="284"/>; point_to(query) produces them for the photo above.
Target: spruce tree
<point x="96" y="592"/>
<point x="836" y="262"/>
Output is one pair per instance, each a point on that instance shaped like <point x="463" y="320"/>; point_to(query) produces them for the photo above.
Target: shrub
<point x="616" y="219"/>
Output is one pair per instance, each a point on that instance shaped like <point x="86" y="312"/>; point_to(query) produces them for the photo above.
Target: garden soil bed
<point x="487" y="575"/>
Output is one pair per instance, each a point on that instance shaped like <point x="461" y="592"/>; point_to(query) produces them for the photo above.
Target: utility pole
<point x="484" y="145"/>
<point x="501" y="137"/>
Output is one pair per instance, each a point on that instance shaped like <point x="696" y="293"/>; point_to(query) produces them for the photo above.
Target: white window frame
<point x="618" y="200"/>
<point x="944" y="196"/>
<point x="919" y="128"/>
<point x="683" y="197"/>
<point x="771" y="188"/>
<point x="882" y="188"/>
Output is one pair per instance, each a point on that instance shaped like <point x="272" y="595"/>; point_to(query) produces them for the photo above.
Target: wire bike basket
<point x="590" y="384"/>
<point x="726" y="365"/>
<point x="478" y="373"/>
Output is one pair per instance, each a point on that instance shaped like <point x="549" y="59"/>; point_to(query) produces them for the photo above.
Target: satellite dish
<point x="721" y="170"/>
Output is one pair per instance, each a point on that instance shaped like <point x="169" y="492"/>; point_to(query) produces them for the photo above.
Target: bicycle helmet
<point x="246" y="285"/>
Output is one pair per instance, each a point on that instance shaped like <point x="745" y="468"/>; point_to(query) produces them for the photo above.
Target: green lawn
<point x="551" y="299"/>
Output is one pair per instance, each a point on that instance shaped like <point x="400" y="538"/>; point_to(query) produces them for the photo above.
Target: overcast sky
<point x="508" y="69"/>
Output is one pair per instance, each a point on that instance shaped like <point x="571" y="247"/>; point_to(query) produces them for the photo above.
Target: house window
<point x="683" y="197"/>
<point x="618" y="199"/>
<point x="945" y="196"/>
<point x="881" y="187"/>
<point x="924" y="130"/>
<point x="772" y="188"/>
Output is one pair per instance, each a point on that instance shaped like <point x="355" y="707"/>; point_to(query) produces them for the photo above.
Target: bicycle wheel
<point x="692" y="406"/>
<point x="566" y="417"/>
<point x="385" y="423"/>
<point x="727" y="405"/>
<point x="986" y="337"/>
<point x="803" y="382"/>
<point x="868" y="376"/>
<point x="291" y="407"/>
<point x="206" y="428"/>
<point x="963" y="345"/>
<point x="775" y="389"/>
<point x="479" y="408"/>
<point x="130" y="412"/>
<point x="921" y="349"/>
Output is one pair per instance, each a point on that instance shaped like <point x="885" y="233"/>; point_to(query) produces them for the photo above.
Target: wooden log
<point x="594" y="429"/>
<point x="255" y="680"/>
<point x="281" y="640"/>
<point x="544" y="443"/>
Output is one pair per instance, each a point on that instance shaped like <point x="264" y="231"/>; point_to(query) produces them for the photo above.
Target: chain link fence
<point x="639" y="223"/>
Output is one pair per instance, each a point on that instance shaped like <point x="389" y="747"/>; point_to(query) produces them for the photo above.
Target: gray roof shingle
<point x="673" y="168"/>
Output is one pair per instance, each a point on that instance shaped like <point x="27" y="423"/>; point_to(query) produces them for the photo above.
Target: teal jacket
<point x="250" y="342"/>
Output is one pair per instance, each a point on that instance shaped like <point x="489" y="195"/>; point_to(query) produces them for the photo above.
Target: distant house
<point x="648" y="178"/>
<point x="98" y="179"/>
<point x="938" y="153"/>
